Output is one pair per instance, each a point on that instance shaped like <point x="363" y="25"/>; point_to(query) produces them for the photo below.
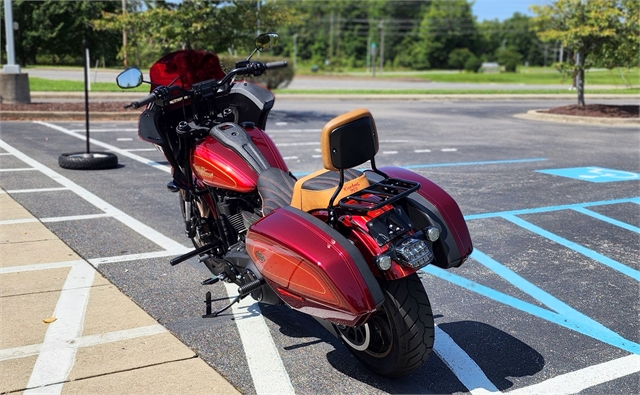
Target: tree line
<point x="333" y="34"/>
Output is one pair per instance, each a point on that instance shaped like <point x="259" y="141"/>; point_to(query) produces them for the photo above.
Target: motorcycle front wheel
<point x="398" y="338"/>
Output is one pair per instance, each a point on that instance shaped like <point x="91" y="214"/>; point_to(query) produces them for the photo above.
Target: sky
<point x="503" y="9"/>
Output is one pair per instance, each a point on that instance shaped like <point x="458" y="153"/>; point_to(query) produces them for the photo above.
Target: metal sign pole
<point x="86" y="90"/>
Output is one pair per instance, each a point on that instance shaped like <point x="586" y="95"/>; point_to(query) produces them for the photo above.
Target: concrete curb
<point x="445" y="96"/>
<point x="538" y="115"/>
<point x="125" y="96"/>
<point x="69" y="115"/>
<point x="102" y="342"/>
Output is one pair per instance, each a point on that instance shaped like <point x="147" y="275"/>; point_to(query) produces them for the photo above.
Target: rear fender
<point x="313" y="268"/>
<point x="432" y="206"/>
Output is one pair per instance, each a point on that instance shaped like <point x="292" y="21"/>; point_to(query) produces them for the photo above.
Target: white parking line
<point x="461" y="364"/>
<point x="102" y="130"/>
<point x="580" y="380"/>
<point x="18" y="221"/>
<point x="144" y="230"/>
<point x="296" y="144"/>
<point x="20" y="169"/>
<point x="39" y="266"/>
<point x="86" y="341"/>
<point x="74" y="218"/>
<point x="135" y="257"/>
<point x="266" y="367"/>
<point x="58" y="351"/>
<point x="108" y="147"/>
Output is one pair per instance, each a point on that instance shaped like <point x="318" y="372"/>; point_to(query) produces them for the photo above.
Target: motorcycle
<point x="341" y="245"/>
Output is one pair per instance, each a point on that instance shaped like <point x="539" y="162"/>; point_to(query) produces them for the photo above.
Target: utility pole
<point x="331" y="36"/>
<point x="124" y="36"/>
<point x="381" y="26"/>
<point x="295" y="51"/>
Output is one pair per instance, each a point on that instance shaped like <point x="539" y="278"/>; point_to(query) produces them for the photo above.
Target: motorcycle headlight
<point x="414" y="253"/>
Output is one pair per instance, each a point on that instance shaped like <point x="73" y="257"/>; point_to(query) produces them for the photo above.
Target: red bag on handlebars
<point x="190" y="66"/>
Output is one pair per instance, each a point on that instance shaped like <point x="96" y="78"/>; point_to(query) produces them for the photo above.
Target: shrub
<point x="272" y="79"/>
<point x="458" y="58"/>
<point x="510" y="59"/>
<point x="473" y="64"/>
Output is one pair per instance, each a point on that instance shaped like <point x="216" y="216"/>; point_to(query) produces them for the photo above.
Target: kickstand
<point x="207" y="302"/>
<point x="243" y="291"/>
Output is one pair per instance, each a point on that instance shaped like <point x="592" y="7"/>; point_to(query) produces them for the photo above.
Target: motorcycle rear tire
<point x="401" y="332"/>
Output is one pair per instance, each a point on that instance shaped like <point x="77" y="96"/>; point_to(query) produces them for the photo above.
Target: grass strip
<point x="45" y="85"/>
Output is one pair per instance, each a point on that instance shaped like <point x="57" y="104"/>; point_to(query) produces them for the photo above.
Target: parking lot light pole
<point x="14" y="85"/>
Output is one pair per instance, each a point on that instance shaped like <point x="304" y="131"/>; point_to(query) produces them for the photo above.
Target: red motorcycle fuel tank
<point x="313" y="268"/>
<point x="221" y="167"/>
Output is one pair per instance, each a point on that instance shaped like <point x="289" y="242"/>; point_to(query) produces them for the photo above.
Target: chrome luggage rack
<point x="386" y="192"/>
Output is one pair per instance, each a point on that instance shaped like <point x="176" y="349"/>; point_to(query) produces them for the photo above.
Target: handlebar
<point x="208" y="88"/>
<point x="143" y="102"/>
<point x="276" y="65"/>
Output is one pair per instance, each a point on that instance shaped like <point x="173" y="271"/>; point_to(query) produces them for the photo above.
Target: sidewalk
<point x="65" y="329"/>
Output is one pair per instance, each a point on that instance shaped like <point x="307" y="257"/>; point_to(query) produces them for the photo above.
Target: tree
<point x="459" y="57"/>
<point x="510" y="59"/>
<point x="447" y="25"/>
<point x="197" y="24"/>
<point x="518" y="35"/>
<point x="595" y="30"/>
<point x="55" y="30"/>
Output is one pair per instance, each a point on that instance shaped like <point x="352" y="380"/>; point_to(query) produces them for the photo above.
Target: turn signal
<point x="433" y="233"/>
<point x="383" y="262"/>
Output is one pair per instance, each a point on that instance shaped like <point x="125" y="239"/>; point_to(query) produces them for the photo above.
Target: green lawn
<point x="45" y="85"/>
<point x="525" y="75"/>
<point x="613" y="79"/>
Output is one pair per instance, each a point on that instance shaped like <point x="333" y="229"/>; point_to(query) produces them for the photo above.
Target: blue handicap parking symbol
<point x="593" y="174"/>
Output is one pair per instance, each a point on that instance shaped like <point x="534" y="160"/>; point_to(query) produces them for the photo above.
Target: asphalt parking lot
<point x="547" y="304"/>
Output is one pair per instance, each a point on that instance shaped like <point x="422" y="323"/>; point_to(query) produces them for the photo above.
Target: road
<point x="322" y="82"/>
<point x="547" y="303"/>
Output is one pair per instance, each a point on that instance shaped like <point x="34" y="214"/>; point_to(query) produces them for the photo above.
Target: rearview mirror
<point x="266" y="41"/>
<point x="130" y="78"/>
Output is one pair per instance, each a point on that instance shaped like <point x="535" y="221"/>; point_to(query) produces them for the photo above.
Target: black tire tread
<point x="415" y="332"/>
<point x="74" y="161"/>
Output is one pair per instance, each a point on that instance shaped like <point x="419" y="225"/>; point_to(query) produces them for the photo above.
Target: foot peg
<point x="243" y="291"/>
<point x="171" y="186"/>
<point x="188" y="255"/>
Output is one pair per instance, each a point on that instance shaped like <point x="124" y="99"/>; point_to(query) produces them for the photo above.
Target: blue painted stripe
<point x="604" y="218"/>
<point x="544" y="297"/>
<point x="487" y="162"/>
<point x="551" y="208"/>
<point x="603" y="336"/>
<point x="453" y="164"/>
<point x="626" y="270"/>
